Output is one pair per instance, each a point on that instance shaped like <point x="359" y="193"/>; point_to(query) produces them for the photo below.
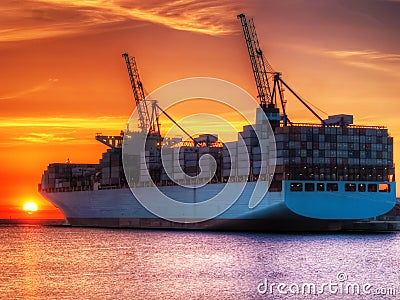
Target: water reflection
<point x="53" y="263"/>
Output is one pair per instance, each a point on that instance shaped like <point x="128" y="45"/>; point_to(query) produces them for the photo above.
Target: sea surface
<point x="42" y="262"/>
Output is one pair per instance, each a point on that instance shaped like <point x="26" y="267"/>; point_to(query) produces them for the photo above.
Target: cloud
<point x="44" y="130"/>
<point x="103" y="122"/>
<point x="43" y="138"/>
<point x="49" y="18"/>
<point x="366" y="55"/>
<point x="39" y="87"/>
<point x="369" y="59"/>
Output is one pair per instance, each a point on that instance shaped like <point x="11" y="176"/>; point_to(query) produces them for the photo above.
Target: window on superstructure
<point x="362" y="187"/>
<point x="309" y="187"/>
<point x="372" y="187"/>
<point x="384" y="187"/>
<point x="350" y="187"/>
<point x="296" y="187"/>
<point x="320" y="187"/>
<point x="332" y="187"/>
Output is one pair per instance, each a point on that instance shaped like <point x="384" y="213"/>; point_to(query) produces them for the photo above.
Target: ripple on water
<point x="70" y="263"/>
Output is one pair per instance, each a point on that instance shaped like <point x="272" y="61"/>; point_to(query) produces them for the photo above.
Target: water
<point x="39" y="262"/>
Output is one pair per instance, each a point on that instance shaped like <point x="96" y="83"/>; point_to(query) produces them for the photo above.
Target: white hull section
<point x="284" y="210"/>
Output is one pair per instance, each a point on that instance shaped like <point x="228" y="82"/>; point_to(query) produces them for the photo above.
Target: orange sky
<point x="63" y="78"/>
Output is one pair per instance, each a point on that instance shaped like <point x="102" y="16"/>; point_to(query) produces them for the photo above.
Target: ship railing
<point x="79" y="189"/>
<point x="66" y="189"/>
<point x="245" y="178"/>
<point x="338" y="126"/>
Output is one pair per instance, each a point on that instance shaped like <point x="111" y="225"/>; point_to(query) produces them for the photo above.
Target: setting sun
<point x="30" y="207"/>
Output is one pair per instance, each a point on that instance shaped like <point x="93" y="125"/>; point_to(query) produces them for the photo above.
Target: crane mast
<point x="146" y="124"/>
<point x="269" y="82"/>
<point x="261" y="70"/>
<point x="258" y="64"/>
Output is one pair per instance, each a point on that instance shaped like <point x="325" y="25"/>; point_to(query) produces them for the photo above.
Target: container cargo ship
<point x="324" y="176"/>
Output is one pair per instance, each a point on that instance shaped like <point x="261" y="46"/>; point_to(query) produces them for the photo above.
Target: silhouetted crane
<point x="268" y="81"/>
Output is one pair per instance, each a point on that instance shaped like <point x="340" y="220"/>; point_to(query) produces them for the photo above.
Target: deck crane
<point x="269" y="82"/>
<point x="257" y="62"/>
<point x="148" y="123"/>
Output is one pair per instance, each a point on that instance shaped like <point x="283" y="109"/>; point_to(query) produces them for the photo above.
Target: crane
<point x="269" y="82"/>
<point x="148" y="123"/>
<point x="146" y="120"/>
<point x="257" y="61"/>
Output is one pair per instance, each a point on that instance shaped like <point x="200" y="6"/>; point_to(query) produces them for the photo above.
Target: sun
<point x="30" y="207"/>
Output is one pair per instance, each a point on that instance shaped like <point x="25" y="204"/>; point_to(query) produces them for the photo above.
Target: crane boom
<point x="145" y="123"/>
<point x="268" y="93"/>
<point x="148" y="122"/>
<point x="257" y="62"/>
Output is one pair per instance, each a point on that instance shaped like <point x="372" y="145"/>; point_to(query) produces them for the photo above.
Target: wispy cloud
<point x="55" y="130"/>
<point x="48" y="18"/>
<point x="103" y="122"/>
<point x="368" y="59"/>
<point x="39" y="87"/>
<point x="366" y="54"/>
<point x="43" y="138"/>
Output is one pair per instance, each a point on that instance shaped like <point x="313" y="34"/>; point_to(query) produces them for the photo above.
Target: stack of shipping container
<point x="112" y="173"/>
<point x="251" y="157"/>
<point x="69" y="177"/>
<point x="184" y="160"/>
<point x="303" y="152"/>
<point x="334" y="153"/>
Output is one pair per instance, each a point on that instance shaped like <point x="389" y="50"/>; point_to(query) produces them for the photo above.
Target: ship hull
<point x="278" y="211"/>
<point x="302" y="224"/>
